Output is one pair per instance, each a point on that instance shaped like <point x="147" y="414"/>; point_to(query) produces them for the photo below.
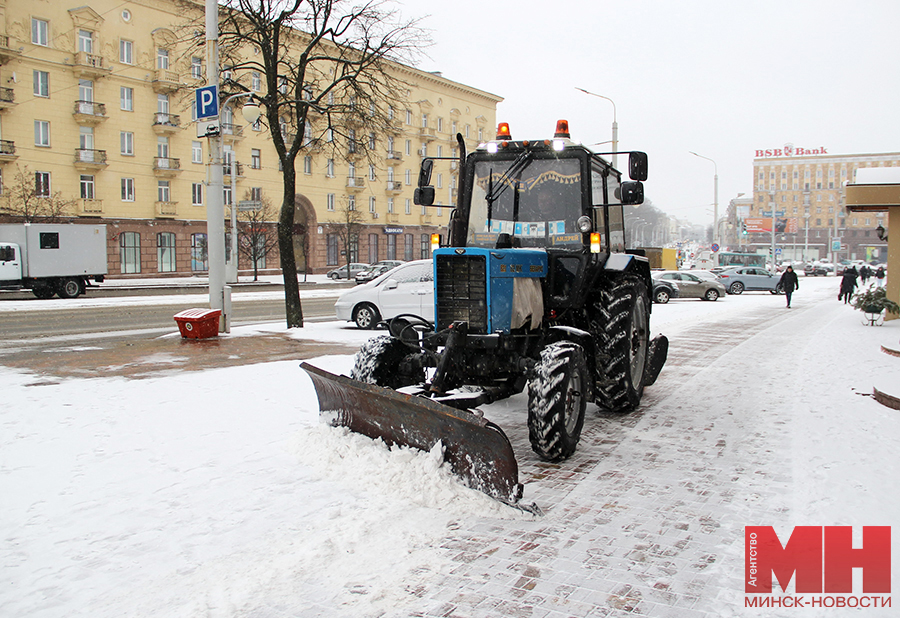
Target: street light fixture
<point x="715" y="196"/>
<point x="615" y="126"/>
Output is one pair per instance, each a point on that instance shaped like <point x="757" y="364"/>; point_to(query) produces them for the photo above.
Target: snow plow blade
<point x="477" y="450"/>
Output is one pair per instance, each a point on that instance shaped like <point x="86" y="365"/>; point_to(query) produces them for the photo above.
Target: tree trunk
<point x="293" y="309"/>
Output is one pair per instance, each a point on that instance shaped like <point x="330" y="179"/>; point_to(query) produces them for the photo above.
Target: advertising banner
<point x="764" y="224"/>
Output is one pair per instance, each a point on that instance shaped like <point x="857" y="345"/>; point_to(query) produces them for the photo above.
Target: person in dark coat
<point x="879" y="277"/>
<point x="864" y="274"/>
<point x="848" y="284"/>
<point x="789" y="283"/>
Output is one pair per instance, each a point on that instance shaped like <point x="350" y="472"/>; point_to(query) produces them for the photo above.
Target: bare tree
<point x="326" y="78"/>
<point x="28" y="200"/>
<point x="257" y="237"/>
<point x="347" y="228"/>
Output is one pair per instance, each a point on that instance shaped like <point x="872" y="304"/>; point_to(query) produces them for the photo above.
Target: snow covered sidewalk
<point x="217" y="493"/>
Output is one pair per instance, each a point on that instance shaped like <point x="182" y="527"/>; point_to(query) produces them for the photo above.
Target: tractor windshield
<point x="536" y="201"/>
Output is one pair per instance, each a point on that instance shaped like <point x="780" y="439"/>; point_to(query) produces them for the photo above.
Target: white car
<point x="409" y="288"/>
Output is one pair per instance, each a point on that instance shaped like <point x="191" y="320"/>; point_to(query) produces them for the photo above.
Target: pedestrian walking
<point x="789" y="283"/>
<point x="864" y="274"/>
<point x="848" y="285"/>
<point x="879" y="277"/>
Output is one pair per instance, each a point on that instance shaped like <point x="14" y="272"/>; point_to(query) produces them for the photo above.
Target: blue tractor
<point x="534" y="290"/>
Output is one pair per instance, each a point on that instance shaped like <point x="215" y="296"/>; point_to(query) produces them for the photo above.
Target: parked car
<point x="706" y="275"/>
<point x="408" y="288"/>
<point x="378" y="268"/>
<point x="685" y="285"/>
<point x="750" y="278"/>
<point x="815" y="270"/>
<point x="341" y="271"/>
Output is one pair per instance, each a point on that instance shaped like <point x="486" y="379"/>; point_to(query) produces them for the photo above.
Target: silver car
<point x="689" y="285"/>
<point x="737" y="279"/>
<point x="406" y="289"/>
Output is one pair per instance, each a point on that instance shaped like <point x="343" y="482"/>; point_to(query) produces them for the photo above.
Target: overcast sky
<point x="721" y="78"/>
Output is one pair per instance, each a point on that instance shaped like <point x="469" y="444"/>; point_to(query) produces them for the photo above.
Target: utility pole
<point x="215" y="208"/>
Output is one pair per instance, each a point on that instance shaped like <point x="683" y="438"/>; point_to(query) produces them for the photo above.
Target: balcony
<point x="166" y="124"/>
<point x="395" y="155"/>
<point x="427" y="134"/>
<point x="87" y="159"/>
<point x="356" y="183"/>
<point x="89" y="113"/>
<point x="166" y="210"/>
<point x="90" y="208"/>
<point x="8" y="150"/>
<point x="395" y="126"/>
<point x="394" y="187"/>
<point x="166" y="166"/>
<point x="89" y="66"/>
<point x="232" y="132"/>
<point x="7" y="98"/>
<point x="165" y="81"/>
<point x="7" y="52"/>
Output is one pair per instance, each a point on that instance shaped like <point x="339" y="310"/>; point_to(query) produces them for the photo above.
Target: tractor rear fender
<point x="631" y="264"/>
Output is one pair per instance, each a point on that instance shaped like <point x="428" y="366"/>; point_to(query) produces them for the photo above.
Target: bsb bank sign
<point x="790" y="151"/>
<point x="820" y="560"/>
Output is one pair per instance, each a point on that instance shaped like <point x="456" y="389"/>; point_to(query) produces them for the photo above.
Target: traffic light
<point x="743" y="229"/>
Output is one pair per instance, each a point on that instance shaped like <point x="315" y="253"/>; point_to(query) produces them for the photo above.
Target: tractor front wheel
<point x="557" y="396"/>
<point x="380" y="362"/>
<point x="624" y="339"/>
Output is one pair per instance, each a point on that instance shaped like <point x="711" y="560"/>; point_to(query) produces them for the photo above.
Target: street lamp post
<point x="615" y="126"/>
<point x="715" y="196"/>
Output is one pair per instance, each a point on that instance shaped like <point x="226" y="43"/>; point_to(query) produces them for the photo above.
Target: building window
<point x="130" y="252"/>
<point x="163" y="191"/>
<point x="87" y="187"/>
<point x="408" y="209"/>
<point x="196" y="67"/>
<point x="86" y="41"/>
<point x="42" y="184"/>
<point x="40" y="32"/>
<point x="128" y="189"/>
<point x="372" y="206"/>
<point x="196" y="152"/>
<point x="329" y="168"/>
<point x="351" y="202"/>
<point x="162" y="58"/>
<point x="333" y="250"/>
<point x="255" y="81"/>
<point x="391" y="247"/>
<point x="41" y="84"/>
<point x="440" y="125"/>
<point x="408" y="247"/>
<point x="126" y="143"/>
<point x="256" y="194"/>
<point x="408" y="116"/>
<point x="424" y="247"/>
<point x="307" y="165"/>
<point x="199" y="252"/>
<point x="408" y="178"/>
<point x="351" y="141"/>
<point x="408" y="147"/>
<point x="371" y="172"/>
<point x="371" y="141"/>
<point x="126" y="51"/>
<point x="329" y="201"/>
<point x="197" y="194"/>
<point x="226" y="195"/>
<point x="42" y="133"/>
<point x="255" y="158"/>
<point x="165" y="252"/>
<point x="424" y="121"/>
<point x="373" y="248"/>
<point x="391" y="205"/>
<point x="126" y="98"/>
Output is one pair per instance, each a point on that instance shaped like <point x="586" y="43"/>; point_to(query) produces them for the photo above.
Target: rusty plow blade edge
<point x="477" y="450"/>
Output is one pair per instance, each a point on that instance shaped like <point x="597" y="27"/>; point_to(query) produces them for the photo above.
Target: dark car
<point x="815" y="270"/>
<point x="377" y="269"/>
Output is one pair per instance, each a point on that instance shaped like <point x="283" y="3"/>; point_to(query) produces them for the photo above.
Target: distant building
<point x="803" y="187"/>
<point x="96" y="104"/>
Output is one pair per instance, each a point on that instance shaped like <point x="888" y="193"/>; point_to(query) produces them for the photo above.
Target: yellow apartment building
<point x="804" y="187"/>
<point x="96" y="105"/>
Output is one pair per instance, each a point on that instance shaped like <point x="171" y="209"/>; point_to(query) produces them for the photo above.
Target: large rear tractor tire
<point x="379" y="362"/>
<point x="624" y="339"/>
<point x="557" y="396"/>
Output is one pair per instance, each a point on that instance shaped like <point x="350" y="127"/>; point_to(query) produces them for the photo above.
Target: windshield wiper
<point x="518" y="165"/>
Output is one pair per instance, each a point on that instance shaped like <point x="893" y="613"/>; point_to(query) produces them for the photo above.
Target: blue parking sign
<point x="207" y="102"/>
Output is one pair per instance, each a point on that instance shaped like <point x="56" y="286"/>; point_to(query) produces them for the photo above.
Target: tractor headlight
<point x="584" y="224"/>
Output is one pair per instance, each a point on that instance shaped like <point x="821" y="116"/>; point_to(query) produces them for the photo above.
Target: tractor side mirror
<point x="637" y="165"/>
<point x="424" y="194"/>
<point x="425" y="172"/>
<point x="631" y="193"/>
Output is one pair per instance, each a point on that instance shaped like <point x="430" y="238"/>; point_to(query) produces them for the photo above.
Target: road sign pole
<point x="215" y="208"/>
